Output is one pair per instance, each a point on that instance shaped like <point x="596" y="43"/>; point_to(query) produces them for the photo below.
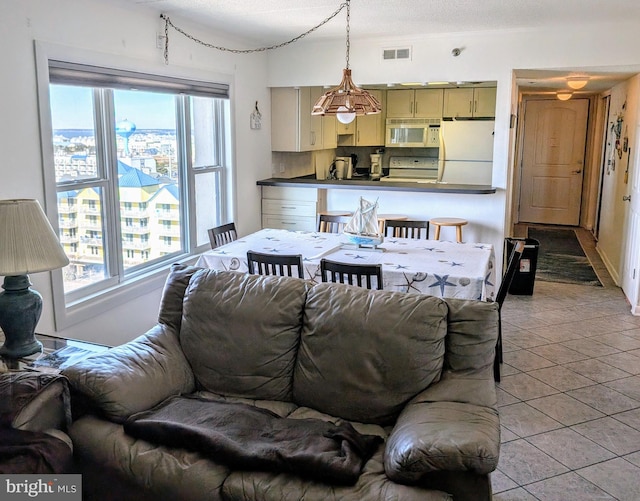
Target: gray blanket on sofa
<point x="249" y="438"/>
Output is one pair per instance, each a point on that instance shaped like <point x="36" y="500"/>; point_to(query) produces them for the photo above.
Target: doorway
<point x="552" y="160"/>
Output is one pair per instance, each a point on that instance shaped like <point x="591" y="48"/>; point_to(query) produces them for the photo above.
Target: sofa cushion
<point x="240" y="332"/>
<point x="373" y="485"/>
<point x="363" y="354"/>
<point x="472" y="334"/>
<point x="173" y="294"/>
<point x="168" y="473"/>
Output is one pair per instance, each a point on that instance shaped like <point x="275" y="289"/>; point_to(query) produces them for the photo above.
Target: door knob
<point x="626" y="198"/>
<point x="576" y="171"/>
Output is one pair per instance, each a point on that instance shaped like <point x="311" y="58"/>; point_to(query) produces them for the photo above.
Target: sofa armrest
<point x="34" y="401"/>
<point x="134" y="376"/>
<point x="453" y="426"/>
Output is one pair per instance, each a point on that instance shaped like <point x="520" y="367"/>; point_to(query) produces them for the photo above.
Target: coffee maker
<point x="376" y="165"/>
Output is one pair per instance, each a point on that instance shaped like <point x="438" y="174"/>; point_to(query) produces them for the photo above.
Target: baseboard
<point x="613" y="273"/>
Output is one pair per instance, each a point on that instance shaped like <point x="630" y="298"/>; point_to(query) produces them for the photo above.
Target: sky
<point x="71" y="108"/>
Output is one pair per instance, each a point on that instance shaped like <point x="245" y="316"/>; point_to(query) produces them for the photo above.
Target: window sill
<point x="90" y="306"/>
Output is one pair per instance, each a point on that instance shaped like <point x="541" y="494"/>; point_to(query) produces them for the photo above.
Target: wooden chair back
<point x="510" y="272"/>
<point x="223" y="234"/>
<point x="406" y="228"/>
<point x="353" y="274"/>
<point x="331" y="224"/>
<point x="507" y="277"/>
<point x="275" y="264"/>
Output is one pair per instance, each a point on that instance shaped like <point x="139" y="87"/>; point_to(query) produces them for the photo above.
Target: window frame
<point x="70" y="308"/>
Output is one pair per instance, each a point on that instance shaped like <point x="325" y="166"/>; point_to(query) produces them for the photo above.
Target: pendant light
<point x="346" y="101"/>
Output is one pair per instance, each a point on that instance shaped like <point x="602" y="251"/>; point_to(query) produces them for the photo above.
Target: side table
<point x="56" y="354"/>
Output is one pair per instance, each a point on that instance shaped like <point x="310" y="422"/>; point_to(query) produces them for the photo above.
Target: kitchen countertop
<point x="367" y="184"/>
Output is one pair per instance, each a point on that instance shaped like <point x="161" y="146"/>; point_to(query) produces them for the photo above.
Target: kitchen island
<point x="365" y="183"/>
<point x="294" y="203"/>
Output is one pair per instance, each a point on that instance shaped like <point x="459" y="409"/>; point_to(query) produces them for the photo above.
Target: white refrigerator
<point x="466" y="151"/>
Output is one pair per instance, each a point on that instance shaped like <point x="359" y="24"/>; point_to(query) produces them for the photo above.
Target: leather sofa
<point x="412" y="369"/>
<point x="34" y="414"/>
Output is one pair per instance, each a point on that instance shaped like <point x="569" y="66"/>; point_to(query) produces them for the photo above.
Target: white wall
<point x="123" y="36"/>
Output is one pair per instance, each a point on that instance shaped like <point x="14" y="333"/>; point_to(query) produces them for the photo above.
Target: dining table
<point x="434" y="267"/>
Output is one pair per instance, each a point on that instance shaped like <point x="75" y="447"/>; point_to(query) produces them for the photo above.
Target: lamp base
<point x="20" y="309"/>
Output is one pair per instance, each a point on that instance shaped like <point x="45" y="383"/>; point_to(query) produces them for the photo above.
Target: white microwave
<point x="412" y="133"/>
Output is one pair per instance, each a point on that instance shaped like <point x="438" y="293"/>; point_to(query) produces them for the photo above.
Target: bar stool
<point x="384" y="217"/>
<point x="438" y="222"/>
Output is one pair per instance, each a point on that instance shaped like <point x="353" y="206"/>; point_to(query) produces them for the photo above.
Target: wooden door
<point x="553" y="161"/>
<point x="631" y="263"/>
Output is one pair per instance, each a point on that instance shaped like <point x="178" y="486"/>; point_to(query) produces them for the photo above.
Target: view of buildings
<point x="149" y="200"/>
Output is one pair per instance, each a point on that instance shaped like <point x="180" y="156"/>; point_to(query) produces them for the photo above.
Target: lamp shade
<point x="28" y="243"/>
<point x="345" y="99"/>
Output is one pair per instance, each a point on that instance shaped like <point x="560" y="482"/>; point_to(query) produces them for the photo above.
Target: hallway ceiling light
<point x="577" y="82"/>
<point x="346" y="101"/>
<point x="564" y="95"/>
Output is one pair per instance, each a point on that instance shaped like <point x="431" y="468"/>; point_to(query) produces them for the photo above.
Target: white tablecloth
<point x="437" y="268"/>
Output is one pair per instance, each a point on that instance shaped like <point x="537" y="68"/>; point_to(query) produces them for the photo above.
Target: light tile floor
<point x="570" y="393"/>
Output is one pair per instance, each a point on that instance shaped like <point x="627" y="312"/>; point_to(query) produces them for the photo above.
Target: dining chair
<point x="223" y="234"/>
<point x="407" y="229"/>
<point x="275" y="264"/>
<point x="510" y="272"/>
<point x="333" y="271"/>
<point x="328" y="223"/>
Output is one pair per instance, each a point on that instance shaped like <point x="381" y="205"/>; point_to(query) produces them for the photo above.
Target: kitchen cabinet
<point x="414" y="103"/>
<point x="470" y="102"/>
<point x="291" y="208"/>
<point x="328" y="124"/>
<point x="293" y="128"/>
<point x="366" y="130"/>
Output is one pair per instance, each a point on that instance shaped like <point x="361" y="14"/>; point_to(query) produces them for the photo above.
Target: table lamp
<point x="28" y="244"/>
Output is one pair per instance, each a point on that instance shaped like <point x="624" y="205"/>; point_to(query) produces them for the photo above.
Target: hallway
<point x="570" y="393"/>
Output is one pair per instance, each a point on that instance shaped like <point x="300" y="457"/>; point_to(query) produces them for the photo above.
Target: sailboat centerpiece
<point x="363" y="229"/>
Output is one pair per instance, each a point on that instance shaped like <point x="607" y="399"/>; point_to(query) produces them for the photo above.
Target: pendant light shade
<point x="346" y="101"/>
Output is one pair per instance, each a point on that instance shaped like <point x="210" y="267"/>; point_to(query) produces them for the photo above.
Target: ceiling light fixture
<point x="346" y="101"/>
<point x="564" y="95"/>
<point x="577" y="82"/>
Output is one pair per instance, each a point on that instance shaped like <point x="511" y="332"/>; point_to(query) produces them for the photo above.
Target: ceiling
<point x="270" y="22"/>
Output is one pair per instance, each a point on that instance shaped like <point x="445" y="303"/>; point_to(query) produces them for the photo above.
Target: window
<point x="139" y="164"/>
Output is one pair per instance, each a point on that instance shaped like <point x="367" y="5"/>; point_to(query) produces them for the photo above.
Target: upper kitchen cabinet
<point x="366" y="130"/>
<point x="414" y="103"/>
<point x="293" y="128"/>
<point x="470" y="102"/>
<point x="328" y="123"/>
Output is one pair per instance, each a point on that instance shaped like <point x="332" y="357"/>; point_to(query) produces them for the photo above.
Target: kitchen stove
<point x="412" y="170"/>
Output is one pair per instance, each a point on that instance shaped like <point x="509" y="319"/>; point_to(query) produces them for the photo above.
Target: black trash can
<point x="525" y="276"/>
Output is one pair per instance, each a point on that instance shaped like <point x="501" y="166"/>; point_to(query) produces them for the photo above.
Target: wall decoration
<point x="255" y="120"/>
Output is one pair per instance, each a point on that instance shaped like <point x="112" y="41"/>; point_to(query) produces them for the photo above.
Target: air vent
<point x="403" y="53"/>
